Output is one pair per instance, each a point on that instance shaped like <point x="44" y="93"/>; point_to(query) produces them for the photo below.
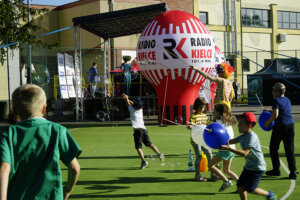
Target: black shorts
<point x="249" y="180"/>
<point x="141" y="136"/>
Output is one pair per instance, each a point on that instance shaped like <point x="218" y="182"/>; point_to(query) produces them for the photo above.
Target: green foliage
<point x="126" y="58"/>
<point x="14" y="25"/>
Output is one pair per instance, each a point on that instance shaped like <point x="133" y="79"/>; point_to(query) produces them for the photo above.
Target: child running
<point x="140" y="133"/>
<point x="255" y="164"/>
<point x="223" y="116"/>
<point x="31" y="150"/>
<point x="199" y="117"/>
<point x="224" y="91"/>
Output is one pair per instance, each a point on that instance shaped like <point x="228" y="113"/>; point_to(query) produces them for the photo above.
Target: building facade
<point x="251" y="33"/>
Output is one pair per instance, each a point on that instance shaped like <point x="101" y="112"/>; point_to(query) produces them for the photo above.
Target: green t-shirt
<point x="33" y="148"/>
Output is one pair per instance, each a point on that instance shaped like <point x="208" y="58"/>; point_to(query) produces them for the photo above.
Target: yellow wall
<point x="216" y="14"/>
<point x="88" y="40"/>
<point x="260" y="41"/>
<point x="48" y="23"/>
<point x="3" y="82"/>
<point x="292" y="43"/>
<point x="288" y="5"/>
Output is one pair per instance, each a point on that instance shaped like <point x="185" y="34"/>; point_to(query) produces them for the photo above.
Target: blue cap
<point x="137" y="103"/>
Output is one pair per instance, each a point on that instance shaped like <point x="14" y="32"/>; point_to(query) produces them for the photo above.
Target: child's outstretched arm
<point x="205" y="75"/>
<point x="128" y="102"/>
<point x="4" y="178"/>
<point x="73" y="174"/>
<point x="243" y="152"/>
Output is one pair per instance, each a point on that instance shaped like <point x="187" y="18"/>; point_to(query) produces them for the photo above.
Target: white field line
<point x="74" y="129"/>
<point x="293" y="182"/>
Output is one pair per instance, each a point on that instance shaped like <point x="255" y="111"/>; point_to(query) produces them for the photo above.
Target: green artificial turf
<point x="110" y="166"/>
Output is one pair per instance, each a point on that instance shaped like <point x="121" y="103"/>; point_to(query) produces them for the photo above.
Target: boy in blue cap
<point x="140" y="133"/>
<point x="255" y="166"/>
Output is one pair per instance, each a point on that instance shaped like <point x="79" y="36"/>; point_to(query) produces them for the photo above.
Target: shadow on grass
<point x="108" y="186"/>
<point x="103" y="168"/>
<point x="133" y="180"/>
<point x="96" y="195"/>
<point x="273" y="178"/>
<point x="281" y="155"/>
<point x="108" y="157"/>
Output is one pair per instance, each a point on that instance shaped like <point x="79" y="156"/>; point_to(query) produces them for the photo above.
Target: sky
<point x="49" y="2"/>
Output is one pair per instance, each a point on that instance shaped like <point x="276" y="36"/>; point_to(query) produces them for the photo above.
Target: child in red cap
<point x="255" y="165"/>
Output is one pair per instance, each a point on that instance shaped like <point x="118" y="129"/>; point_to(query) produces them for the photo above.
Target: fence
<point x="45" y="72"/>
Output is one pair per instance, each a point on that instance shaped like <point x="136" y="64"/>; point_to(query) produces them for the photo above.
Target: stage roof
<point x="120" y="23"/>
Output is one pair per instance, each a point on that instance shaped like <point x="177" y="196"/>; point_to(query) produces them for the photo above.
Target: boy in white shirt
<point x="140" y="133"/>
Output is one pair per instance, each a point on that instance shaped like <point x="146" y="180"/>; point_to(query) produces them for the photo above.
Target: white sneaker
<point x="225" y="185"/>
<point x="144" y="164"/>
<point x="161" y="157"/>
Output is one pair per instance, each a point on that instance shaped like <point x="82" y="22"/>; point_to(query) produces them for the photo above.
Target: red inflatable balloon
<point x="167" y="46"/>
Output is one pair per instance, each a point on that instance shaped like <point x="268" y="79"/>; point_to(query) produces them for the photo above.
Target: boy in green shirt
<point x="31" y="149"/>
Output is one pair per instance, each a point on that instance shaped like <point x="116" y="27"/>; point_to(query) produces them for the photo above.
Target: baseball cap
<point x="137" y="103"/>
<point x="250" y="117"/>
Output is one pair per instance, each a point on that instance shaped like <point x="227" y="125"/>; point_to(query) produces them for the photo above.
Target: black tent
<point x="121" y="22"/>
<point x="286" y="71"/>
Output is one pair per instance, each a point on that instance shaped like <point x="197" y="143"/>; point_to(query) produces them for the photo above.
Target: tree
<point x="14" y="25"/>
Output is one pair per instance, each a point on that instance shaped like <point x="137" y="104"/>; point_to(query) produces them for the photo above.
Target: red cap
<point x="250" y="117"/>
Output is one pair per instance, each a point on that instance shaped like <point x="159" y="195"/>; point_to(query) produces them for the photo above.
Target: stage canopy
<point x="286" y="71"/>
<point x="120" y="23"/>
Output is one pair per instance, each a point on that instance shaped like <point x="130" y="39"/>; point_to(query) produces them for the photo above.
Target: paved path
<point x="152" y="120"/>
<point x="257" y="110"/>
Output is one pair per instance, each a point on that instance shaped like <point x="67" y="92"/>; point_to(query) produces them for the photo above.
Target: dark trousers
<point x="286" y="134"/>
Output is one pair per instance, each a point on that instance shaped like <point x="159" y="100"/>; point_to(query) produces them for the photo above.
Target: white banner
<point x="77" y="78"/>
<point x="70" y="73"/>
<point x="62" y="76"/>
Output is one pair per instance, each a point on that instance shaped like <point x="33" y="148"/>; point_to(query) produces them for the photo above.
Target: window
<point x="230" y="62"/>
<point x="255" y="17"/>
<point x="288" y="20"/>
<point x="246" y="65"/>
<point x="267" y="62"/>
<point x="203" y="17"/>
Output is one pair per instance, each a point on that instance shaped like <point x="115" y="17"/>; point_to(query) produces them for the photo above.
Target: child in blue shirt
<point x="255" y="164"/>
<point x="283" y="130"/>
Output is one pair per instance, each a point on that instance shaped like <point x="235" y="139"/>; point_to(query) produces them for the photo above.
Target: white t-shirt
<point x="136" y="117"/>
<point x="229" y="131"/>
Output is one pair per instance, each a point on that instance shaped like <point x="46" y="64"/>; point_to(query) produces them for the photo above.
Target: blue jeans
<point x="93" y="88"/>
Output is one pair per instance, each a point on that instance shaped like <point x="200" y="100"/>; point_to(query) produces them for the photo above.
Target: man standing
<point x="93" y="79"/>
